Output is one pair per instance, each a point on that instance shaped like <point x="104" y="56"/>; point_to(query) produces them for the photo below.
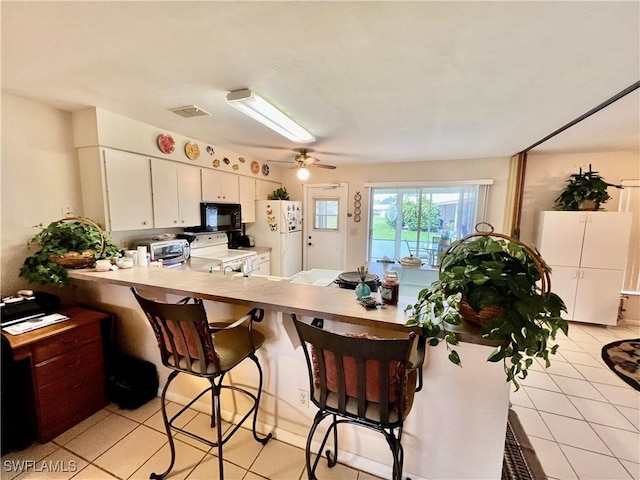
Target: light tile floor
<point x="130" y="444"/>
<point x="583" y="421"/>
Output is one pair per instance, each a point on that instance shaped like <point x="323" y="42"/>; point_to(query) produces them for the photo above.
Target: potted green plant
<point x="584" y="191"/>
<point x="279" y="194"/>
<point x="72" y="242"/>
<point x="502" y="285"/>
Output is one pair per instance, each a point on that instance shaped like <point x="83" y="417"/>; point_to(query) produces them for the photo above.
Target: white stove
<point x="213" y="246"/>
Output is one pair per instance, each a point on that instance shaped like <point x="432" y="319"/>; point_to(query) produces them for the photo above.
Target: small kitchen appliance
<point x="219" y="217"/>
<point x="171" y="252"/>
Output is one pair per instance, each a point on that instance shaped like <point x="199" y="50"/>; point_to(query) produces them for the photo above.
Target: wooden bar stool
<point x="189" y="344"/>
<point x="361" y="380"/>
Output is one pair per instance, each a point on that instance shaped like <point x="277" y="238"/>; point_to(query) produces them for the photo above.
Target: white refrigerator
<point x="279" y="225"/>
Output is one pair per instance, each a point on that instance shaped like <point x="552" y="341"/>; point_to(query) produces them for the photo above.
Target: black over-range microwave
<point x="220" y="217"/>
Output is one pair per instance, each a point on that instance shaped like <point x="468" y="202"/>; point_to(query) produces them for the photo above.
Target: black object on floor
<point x="132" y="382"/>
<point x="623" y="357"/>
<point x="520" y="461"/>
<point x="16" y="399"/>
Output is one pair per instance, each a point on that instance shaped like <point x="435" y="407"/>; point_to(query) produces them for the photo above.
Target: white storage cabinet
<point x="219" y="187"/>
<point x="587" y="253"/>
<point x="129" y="199"/>
<point x="176" y="194"/>
<point x="263" y="264"/>
<point x="247" y="186"/>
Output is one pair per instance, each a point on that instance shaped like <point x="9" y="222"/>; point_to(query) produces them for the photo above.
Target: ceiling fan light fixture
<point x="303" y="173"/>
<point x="259" y="109"/>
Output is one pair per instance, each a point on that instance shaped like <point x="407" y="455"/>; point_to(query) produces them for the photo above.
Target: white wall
<point x="357" y="175"/>
<point x="546" y="176"/>
<point x="40" y="177"/>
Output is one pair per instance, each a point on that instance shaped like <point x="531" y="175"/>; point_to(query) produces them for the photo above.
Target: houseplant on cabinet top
<point x="279" y="194"/>
<point x="73" y="242"/>
<point x="584" y="191"/>
<point x="492" y="280"/>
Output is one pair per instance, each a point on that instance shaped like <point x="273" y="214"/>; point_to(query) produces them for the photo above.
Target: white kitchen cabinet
<point x="587" y="253"/>
<point x="176" y="194"/>
<point x="189" y="195"/>
<point x="263" y="264"/>
<point x="247" y="187"/>
<point x="128" y="185"/>
<point x="219" y="187"/>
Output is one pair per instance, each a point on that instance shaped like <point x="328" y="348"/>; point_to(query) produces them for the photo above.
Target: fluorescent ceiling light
<point x="259" y="109"/>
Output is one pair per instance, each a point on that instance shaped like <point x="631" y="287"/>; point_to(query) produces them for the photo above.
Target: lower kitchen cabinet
<point x="263" y="264"/>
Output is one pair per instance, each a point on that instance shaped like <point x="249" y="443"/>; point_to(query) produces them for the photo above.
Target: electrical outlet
<point x="303" y="398"/>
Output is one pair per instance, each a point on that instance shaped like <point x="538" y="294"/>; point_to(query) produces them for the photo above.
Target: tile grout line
<point x="607" y="400"/>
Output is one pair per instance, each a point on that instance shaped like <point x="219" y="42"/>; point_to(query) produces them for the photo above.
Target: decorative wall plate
<point x="210" y="150"/>
<point x="241" y="159"/>
<point x="166" y="143"/>
<point x="216" y="163"/>
<point x="255" y="167"/>
<point x="265" y="169"/>
<point x="192" y="150"/>
<point x="235" y="166"/>
<point x="226" y="161"/>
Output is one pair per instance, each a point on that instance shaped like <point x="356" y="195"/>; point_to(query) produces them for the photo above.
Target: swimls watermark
<point x="42" y="466"/>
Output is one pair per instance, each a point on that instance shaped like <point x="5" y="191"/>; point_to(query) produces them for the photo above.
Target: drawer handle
<point x="74" y="363"/>
<point x="71" y="342"/>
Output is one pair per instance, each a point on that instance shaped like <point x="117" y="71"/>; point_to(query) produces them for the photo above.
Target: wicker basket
<point x="489" y="312"/>
<point x="80" y="259"/>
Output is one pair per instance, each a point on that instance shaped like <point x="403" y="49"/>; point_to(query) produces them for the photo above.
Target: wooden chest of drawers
<point x="67" y="369"/>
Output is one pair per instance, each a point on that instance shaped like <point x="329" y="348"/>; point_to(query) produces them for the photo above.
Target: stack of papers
<point x="35" y="323"/>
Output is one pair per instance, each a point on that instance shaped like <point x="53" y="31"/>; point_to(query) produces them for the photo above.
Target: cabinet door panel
<point x="219" y="187"/>
<point x="128" y="190"/>
<point x="247" y="187"/>
<point x="165" y="193"/>
<point x="564" y="282"/>
<point x="229" y="187"/>
<point x="189" y="195"/>
<point x="598" y="296"/>
<point x="606" y="240"/>
<point x="560" y="237"/>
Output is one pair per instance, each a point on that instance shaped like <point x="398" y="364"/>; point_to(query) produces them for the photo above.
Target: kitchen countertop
<point x="193" y="279"/>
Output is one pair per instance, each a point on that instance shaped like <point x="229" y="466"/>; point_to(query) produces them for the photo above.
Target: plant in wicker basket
<point x="502" y="285"/>
<point x="73" y="242"/>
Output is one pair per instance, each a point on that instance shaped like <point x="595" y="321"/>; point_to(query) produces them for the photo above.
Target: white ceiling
<point x="373" y="81"/>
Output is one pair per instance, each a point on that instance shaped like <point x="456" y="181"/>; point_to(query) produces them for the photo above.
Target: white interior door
<point x="325" y="226"/>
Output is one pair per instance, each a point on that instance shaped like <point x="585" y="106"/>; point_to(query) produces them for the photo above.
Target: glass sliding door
<point x="420" y="221"/>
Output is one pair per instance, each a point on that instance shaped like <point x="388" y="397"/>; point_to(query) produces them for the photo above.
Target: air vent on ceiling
<point x="189" y="111"/>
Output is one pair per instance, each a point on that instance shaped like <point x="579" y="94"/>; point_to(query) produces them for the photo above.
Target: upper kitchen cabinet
<point x="176" y="194"/>
<point x="248" y="198"/>
<point x="116" y="188"/>
<point x="220" y="187"/>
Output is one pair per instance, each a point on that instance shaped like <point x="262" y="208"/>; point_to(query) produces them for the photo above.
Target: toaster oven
<point x="171" y="252"/>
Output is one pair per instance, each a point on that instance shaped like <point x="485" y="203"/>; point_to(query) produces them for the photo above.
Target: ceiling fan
<point x="303" y="160"/>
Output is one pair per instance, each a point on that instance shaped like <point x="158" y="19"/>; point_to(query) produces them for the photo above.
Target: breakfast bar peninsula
<point x="456" y="428"/>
